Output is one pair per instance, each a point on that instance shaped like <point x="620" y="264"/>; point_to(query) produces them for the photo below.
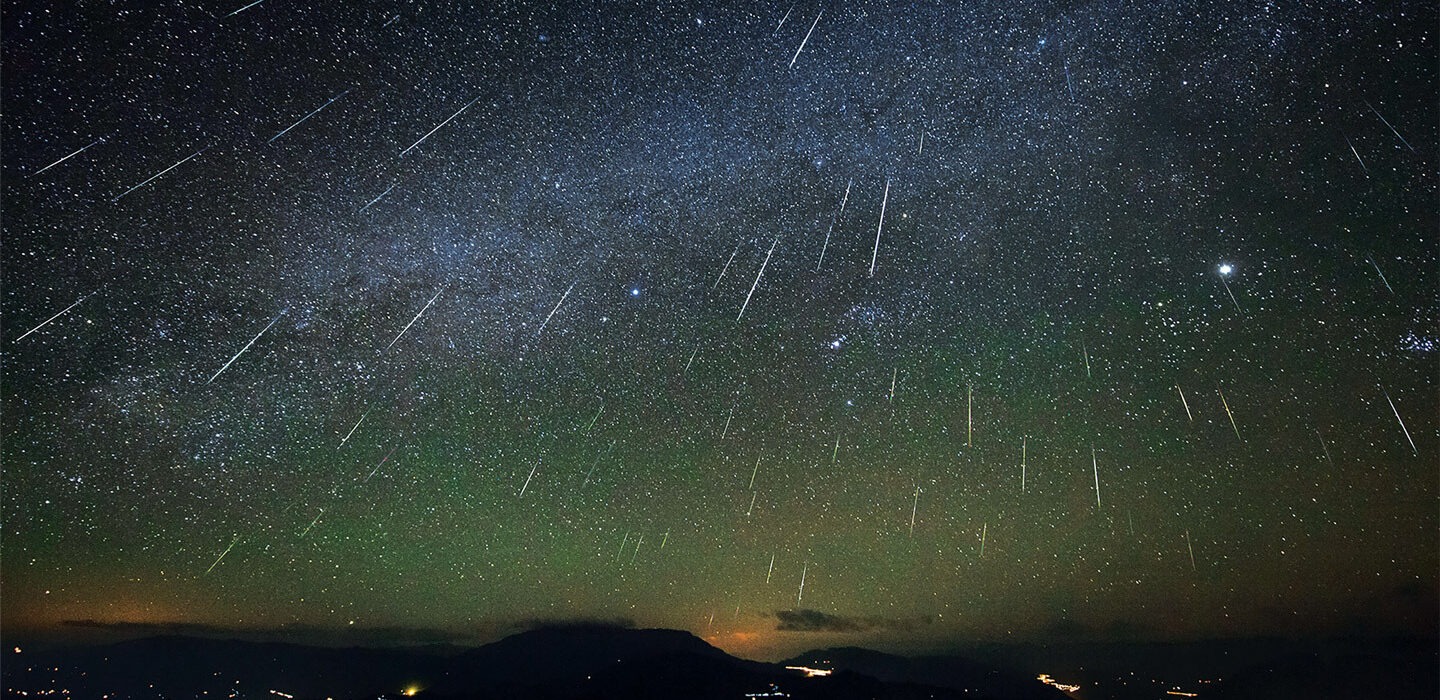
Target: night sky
<point x="895" y="324"/>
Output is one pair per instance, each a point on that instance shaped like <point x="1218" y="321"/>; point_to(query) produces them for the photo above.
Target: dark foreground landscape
<point x="602" y="662"/>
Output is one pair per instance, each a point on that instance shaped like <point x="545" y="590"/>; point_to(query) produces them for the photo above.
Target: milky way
<point x="403" y="316"/>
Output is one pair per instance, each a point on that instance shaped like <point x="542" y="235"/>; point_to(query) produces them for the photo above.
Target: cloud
<point x="805" y="620"/>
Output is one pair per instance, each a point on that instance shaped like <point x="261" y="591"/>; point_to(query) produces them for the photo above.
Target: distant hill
<point x="567" y="663"/>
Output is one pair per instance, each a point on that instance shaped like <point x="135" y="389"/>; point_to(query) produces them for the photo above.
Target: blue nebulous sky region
<point x="894" y="323"/>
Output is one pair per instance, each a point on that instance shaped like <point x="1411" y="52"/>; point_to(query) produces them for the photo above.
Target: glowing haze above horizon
<point x="899" y="325"/>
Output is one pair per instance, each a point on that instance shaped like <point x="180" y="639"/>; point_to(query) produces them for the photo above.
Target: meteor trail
<point x="757" y="279"/>
<point x="881" y="226"/>
<point x="63" y="311"/>
<point x="232" y="14"/>
<point x="726" y="267"/>
<point x="770" y="570"/>
<point x="1357" y="155"/>
<point x="1392" y="129"/>
<point x="222" y="554"/>
<point x="914" y="506"/>
<point x="527" y="482"/>
<point x="302" y="119"/>
<point x="1191" y="549"/>
<point x="1095" y="465"/>
<point x="382" y="196"/>
<point x="417" y="317"/>
<point x="753" y="472"/>
<point x="803" y="571"/>
<point x="312" y="523"/>
<point x="381" y="464"/>
<point x="1022" y="464"/>
<point x="1401" y="421"/>
<point x="557" y="308"/>
<point x="805" y="40"/>
<point x="1185" y="403"/>
<point x="1382" y="275"/>
<point x="1228" y="413"/>
<point x="1323" y="448"/>
<point x="72" y="155"/>
<point x="984" y="529"/>
<point x="156" y="175"/>
<point x="355" y="427"/>
<point x="834" y="221"/>
<point x="437" y="128"/>
<point x="247" y="347"/>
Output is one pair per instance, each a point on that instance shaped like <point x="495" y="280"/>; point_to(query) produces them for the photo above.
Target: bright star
<point x="1226" y="269"/>
<point x="634" y="291"/>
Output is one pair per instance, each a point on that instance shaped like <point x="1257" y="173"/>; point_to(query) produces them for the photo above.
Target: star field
<point x="986" y="321"/>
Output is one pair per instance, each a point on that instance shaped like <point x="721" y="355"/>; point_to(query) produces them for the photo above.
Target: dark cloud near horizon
<point x="805" y="620"/>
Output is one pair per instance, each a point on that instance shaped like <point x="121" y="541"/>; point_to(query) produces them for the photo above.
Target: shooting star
<point x="438" y="292"/>
<point x="1185" y="403"/>
<point x="1392" y="129"/>
<point x="591" y="424"/>
<point x="437" y="128"/>
<point x="381" y="464"/>
<point x="528" y="478"/>
<point x="72" y="155"/>
<point x="382" y="196"/>
<point x="152" y="178"/>
<point x="247" y="347"/>
<point x="894" y="374"/>
<point x="727" y="266"/>
<point x="803" y="571"/>
<point x="1226" y="404"/>
<point x="753" y="472"/>
<point x="1323" y="448"/>
<point x="636" y="553"/>
<point x="1085" y="353"/>
<point x="1191" y="549"/>
<point x="355" y="427"/>
<point x="914" y="507"/>
<point x="770" y="570"/>
<point x="1357" y="154"/>
<point x="984" y="530"/>
<point x="664" y="539"/>
<point x="879" y="227"/>
<point x="921" y="150"/>
<point x="557" y="308"/>
<point x="805" y="40"/>
<point x="969" y="420"/>
<point x="302" y="119"/>
<point x="63" y="311"/>
<point x="690" y="361"/>
<point x="1022" y="463"/>
<point x="312" y="523"/>
<point x="232" y="14"/>
<point x="1095" y="465"/>
<point x="782" y="21"/>
<point x="758" y="275"/>
<point x="1382" y="275"/>
<point x="835" y="454"/>
<point x="727" y="422"/>
<point x="222" y="554"/>
<point x="1401" y="421"/>
<point x="621" y="551"/>
<point x="751" y="511"/>
<point x="834" y="221"/>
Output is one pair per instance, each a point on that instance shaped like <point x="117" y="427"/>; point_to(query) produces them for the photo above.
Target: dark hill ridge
<point x="560" y="663"/>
